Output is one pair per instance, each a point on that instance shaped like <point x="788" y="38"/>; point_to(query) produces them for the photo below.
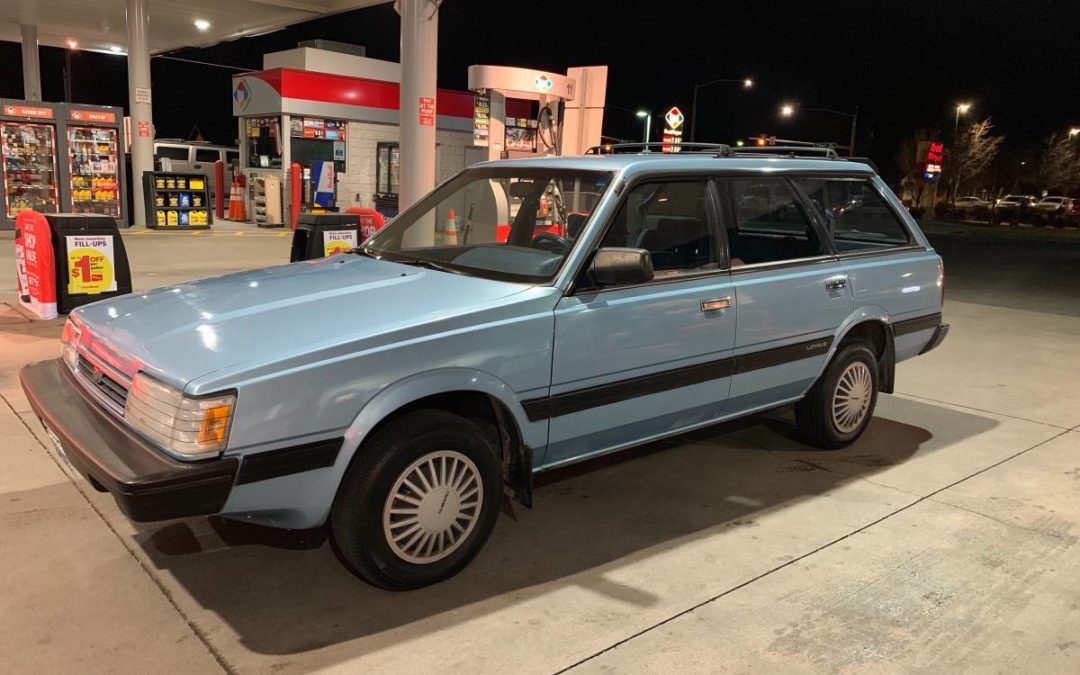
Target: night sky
<point x="904" y="64"/>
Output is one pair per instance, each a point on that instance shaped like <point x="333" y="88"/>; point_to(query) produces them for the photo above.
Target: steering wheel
<point x="550" y="242"/>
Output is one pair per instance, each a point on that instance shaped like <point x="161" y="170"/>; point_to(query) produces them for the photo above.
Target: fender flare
<point x="887" y="363"/>
<point x="442" y="381"/>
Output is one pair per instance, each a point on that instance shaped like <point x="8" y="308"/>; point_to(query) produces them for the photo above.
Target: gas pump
<point x="569" y="110"/>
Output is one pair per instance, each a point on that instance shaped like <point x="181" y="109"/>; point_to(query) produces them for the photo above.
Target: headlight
<point x="69" y="337"/>
<point x="190" y="427"/>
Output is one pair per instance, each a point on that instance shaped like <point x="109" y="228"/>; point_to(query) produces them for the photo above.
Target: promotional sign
<point x="427" y="111"/>
<point x="338" y="241"/>
<point x="91" y="264"/>
<point x="144" y="129"/>
<point x="371" y="221"/>
<point x="481" y="120"/>
<point x="28" y="111"/>
<point x="34" y="264"/>
<point x="322" y="182"/>
<point x="92" y="116"/>
<point x="672" y="137"/>
<point x="929" y="157"/>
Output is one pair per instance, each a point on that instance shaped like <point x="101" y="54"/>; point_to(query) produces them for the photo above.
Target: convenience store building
<point x="313" y="105"/>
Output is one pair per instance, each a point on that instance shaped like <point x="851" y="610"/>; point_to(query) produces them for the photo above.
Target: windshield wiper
<point x="429" y="264"/>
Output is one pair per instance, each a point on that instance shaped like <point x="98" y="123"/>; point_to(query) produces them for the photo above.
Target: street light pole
<point x="648" y="125"/>
<point x="747" y="83"/>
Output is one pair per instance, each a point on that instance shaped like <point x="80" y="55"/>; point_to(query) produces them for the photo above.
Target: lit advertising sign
<point x="481" y="120"/>
<point x="929" y="158"/>
<point x="672" y="137"/>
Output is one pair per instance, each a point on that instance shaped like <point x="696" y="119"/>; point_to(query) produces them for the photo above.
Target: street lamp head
<point x="787" y="110"/>
<point x="643" y="113"/>
<point x="963" y="108"/>
<point x="747" y="83"/>
<point x="1073" y="132"/>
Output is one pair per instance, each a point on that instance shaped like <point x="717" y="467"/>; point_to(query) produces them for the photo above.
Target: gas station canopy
<point x="100" y="25"/>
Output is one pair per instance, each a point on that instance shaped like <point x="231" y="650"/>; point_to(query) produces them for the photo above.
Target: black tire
<point x="814" y="414"/>
<point x="356" y="519"/>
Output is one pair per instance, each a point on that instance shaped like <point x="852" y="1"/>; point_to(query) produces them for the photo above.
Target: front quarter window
<point x="509" y="223"/>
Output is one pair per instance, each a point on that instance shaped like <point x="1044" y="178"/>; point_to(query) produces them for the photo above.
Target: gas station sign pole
<point x="419" y="54"/>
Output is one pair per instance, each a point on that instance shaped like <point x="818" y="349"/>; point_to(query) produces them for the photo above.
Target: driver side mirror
<point x="620" y="266"/>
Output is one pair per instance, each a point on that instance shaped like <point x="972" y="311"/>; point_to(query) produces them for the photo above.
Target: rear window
<point x="854" y="213"/>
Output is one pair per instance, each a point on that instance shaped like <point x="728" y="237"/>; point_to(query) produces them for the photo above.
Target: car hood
<point x="183" y="332"/>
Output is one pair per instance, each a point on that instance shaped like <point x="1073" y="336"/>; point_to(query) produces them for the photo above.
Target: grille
<point x="100" y="380"/>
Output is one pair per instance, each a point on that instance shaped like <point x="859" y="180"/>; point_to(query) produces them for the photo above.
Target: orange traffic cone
<point x="450" y="238"/>
<point x="236" y="202"/>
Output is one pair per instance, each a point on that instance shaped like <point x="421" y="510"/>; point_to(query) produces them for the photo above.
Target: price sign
<point x="91" y="265"/>
<point x="338" y="241"/>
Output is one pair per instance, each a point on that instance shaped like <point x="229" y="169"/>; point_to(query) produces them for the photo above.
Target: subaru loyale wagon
<point x="522" y="316"/>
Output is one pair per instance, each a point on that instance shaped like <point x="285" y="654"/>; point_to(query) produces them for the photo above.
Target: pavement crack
<point x="1052" y="535"/>
<point x="984" y="410"/>
<point x="196" y="631"/>
<point x="808" y="554"/>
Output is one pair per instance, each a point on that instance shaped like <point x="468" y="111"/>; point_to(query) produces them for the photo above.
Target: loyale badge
<point x="674" y="118"/>
<point x="543" y="83"/>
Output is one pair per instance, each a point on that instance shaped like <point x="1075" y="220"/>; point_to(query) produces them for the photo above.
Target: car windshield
<point x="507" y="223"/>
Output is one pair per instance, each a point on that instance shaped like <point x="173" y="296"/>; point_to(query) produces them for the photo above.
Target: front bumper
<point x="146" y="483"/>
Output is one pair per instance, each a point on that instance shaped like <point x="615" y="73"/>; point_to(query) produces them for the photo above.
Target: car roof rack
<point x="624" y="148"/>
<point x="789" y="151"/>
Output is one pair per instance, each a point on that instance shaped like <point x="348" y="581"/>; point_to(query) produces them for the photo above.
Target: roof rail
<point x="789" y="151"/>
<point x="622" y="148"/>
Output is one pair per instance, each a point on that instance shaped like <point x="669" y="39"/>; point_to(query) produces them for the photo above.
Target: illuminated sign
<point x="929" y="157"/>
<point x="935" y="153"/>
<point x="242" y="95"/>
<point x="28" y="111"/>
<point x="672" y="137"/>
<point x="92" y="116"/>
<point x="543" y="83"/>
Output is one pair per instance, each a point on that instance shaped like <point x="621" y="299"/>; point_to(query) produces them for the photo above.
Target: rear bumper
<point x="146" y="483"/>
<point x="939" y="336"/>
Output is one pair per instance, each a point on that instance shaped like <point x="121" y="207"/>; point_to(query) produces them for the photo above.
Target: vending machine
<point x="29" y="151"/>
<point x="94" y="162"/>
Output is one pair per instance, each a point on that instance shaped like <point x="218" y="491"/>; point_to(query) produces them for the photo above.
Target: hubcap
<point x="433" y="507"/>
<point x="851" y="400"/>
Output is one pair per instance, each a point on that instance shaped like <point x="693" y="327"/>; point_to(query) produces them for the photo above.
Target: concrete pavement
<point x="944" y="540"/>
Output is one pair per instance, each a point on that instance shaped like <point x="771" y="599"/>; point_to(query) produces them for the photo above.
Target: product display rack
<point x="177" y="201"/>
<point x="92" y="161"/>
<point x="29" y="167"/>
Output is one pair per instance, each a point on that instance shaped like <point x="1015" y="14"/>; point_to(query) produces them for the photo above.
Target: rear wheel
<point x="419" y="502"/>
<point x="839" y="406"/>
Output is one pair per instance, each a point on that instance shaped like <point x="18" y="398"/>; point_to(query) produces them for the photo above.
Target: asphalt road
<point x="1006" y="269"/>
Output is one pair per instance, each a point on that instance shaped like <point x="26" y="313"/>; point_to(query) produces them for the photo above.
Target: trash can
<point x="91" y="261"/>
<point x="318" y="235"/>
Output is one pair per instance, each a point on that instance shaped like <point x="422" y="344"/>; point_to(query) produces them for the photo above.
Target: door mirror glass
<point x="620" y="266"/>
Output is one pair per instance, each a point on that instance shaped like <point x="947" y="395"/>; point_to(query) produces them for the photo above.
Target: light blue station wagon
<point x="522" y="316"/>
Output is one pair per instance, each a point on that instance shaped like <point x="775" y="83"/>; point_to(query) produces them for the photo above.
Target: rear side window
<point x="206" y="155"/>
<point x="854" y="213"/>
<point x="770" y="224"/>
<point x="172" y="152"/>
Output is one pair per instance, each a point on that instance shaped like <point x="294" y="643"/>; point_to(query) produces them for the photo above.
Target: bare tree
<point x="1060" y="166"/>
<point x="974" y="152"/>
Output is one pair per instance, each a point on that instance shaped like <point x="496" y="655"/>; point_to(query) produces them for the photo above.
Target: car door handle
<point x="716" y="304"/>
<point x="836" y="284"/>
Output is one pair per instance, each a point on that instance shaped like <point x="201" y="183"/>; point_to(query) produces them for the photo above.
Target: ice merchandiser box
<point x="29" y="151"/>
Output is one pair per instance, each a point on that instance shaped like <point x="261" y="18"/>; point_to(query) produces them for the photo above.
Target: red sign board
<point x="427" y="111"/>
<point x="35" y="265"/>
<point x="93" y="116"/>
<point x="144" y="129"/>
<point x="28" y="111"/>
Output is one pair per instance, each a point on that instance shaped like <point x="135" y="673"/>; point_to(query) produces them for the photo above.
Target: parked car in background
<point x="972" y="203"/>
<point x="683" y="290"/>
<point x="1013" y="207"/>
<point x="196" y="157"/>
<point x="1057" y="210"/>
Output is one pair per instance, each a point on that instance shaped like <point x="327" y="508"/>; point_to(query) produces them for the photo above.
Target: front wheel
<point x="418" y="502"/>
<point x="839" y="406"/>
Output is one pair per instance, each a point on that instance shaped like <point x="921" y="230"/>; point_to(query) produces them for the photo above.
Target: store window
<point x="770" y="225"/>
<point x="670" y="220"/>
<point x="263" y="138"/>
<point x="854" y="213"/>
<point x="387" y="160"/>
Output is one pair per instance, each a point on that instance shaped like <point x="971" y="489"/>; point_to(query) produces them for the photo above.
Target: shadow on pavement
<point x="285" y="593"/>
